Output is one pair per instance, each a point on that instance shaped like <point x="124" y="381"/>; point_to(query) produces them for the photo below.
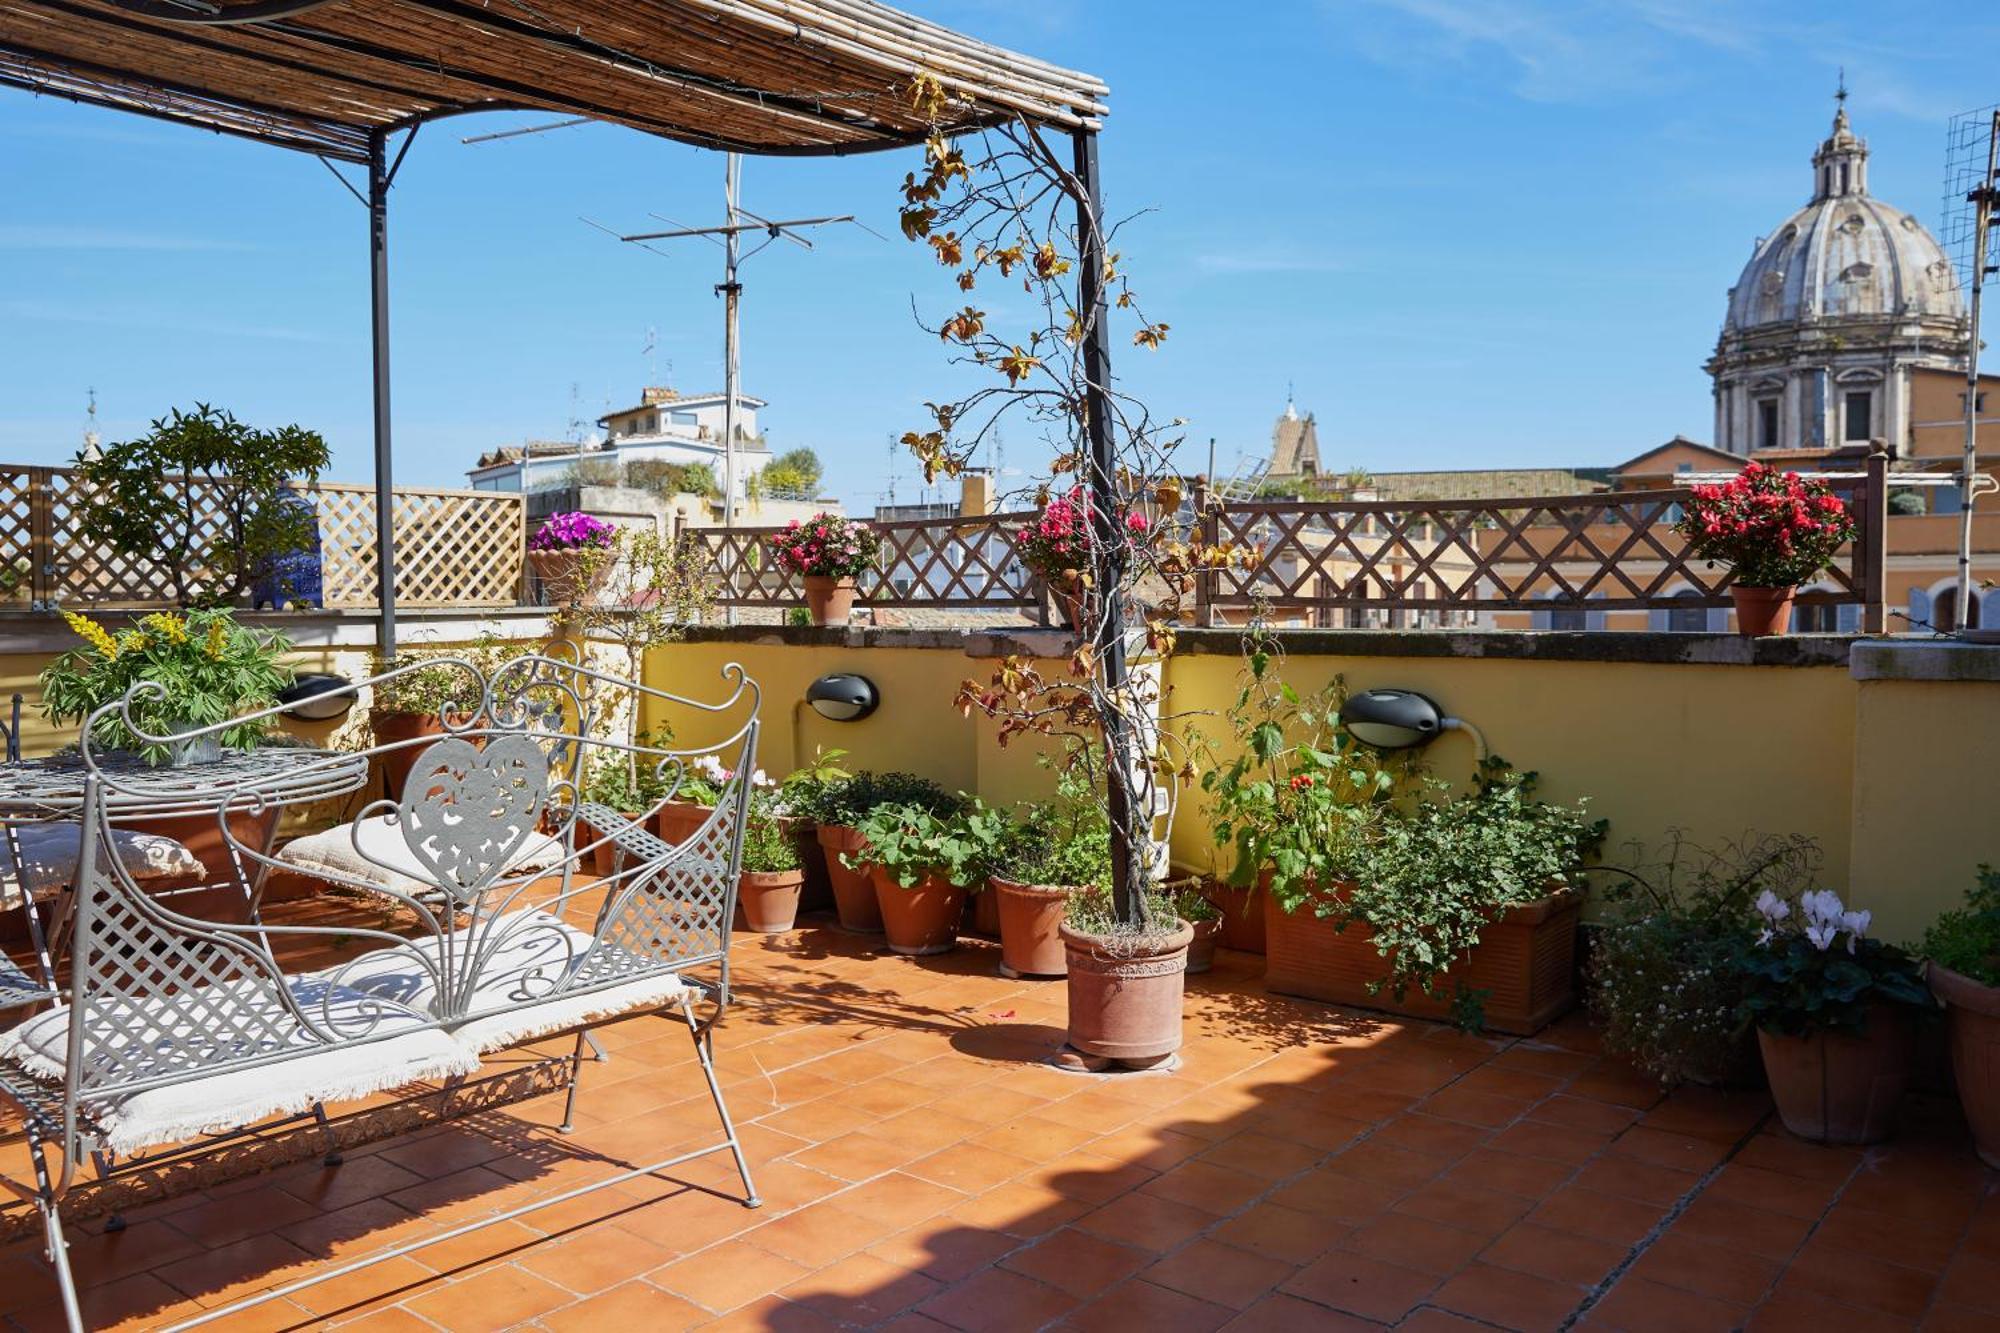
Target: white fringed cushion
<point x="311" y="1072"/>
<point x="537" y="952"/>
<point x="373" y="850"/>
<point x="49" y="852"/>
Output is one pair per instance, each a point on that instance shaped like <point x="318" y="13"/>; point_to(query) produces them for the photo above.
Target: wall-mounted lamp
<point x="1400" y="720"/>
<point x="843" y="697"/>
<point x="318" y="697"/>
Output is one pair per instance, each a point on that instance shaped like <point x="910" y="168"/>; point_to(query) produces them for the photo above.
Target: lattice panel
<point x="951" y="562"/>
<point x="18" y="512"/>
<point x="1616" y="550"/>
<point x="453" y="548"/>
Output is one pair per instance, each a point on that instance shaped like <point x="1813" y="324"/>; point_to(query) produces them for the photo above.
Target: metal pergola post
<point x="380" y="175"/>
<point x="1127" y="866"/>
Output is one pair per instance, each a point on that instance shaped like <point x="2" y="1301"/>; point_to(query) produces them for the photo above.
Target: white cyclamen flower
<point x="1772" y="908"/>
<point x="1856" y="923"/>
<point x="1822" y="934"/>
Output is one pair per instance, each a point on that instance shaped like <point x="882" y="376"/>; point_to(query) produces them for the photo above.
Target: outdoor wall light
<point x="1392" y="719"/>
<point x="843" y="697"/>
<point x="318" y="697"/>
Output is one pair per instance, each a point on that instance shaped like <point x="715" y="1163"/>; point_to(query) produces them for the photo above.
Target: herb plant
<point x="913" y="844"/>
<point x="1967" y="939"/>
<point x="209" y="669"/>
<point x="1064" y="841"/>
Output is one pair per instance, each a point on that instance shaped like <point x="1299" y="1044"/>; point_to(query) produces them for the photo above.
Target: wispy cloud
<point x="33" y="237"/>
<point x="139" y="318"/>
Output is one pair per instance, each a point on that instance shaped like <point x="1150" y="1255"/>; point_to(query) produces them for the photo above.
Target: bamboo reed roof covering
<point x="752" y="76"/>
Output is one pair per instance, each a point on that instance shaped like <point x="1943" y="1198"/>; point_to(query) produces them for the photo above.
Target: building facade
<point x="664" y="426"/>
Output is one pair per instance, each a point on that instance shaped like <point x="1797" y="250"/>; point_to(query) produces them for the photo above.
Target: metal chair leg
<point x="575" y="1074"/>
<point x="52" y="1230"/>
<point x="597" y="1053"/>
<point x="701" y="1033"/>
<point x="333" y="1156"/>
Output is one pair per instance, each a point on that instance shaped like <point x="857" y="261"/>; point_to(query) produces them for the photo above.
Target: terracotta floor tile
<point x="229" y="1272"/>
<point x="1507" y="1298"/>
<point x="1432" y="1134"/>
<point x="1146" y="1147"/>
<point x="1429" y="1320"/>
<point x="772" y="1314"/>
<point x="818" y="1235"/>
<point x="1584" y="1113"/>
<point x="1781" y="1152"/>
<point x="1089" y="1176"/>
<point x="495" y="1298"/>
<point x="1734" y="1275"/>
<point x="1588" y="1212"/>
<point x="1415" y="1242"/>
<point x="1385" y="1164"/>
<point x="1529" y="1177"/>
<point x="1636" y="1305"/>
<point x="1857" y="1278"/>
<point x="1264" y="1156"/>
<point x="998" y="1300"/>
<point x="1213" y="1189"/>
<point x="1915" y="1242"/>
<point x="224" y="1221"/>
<point x="443" y="1151"/>
<point x="1972" y="1283"/>
<point x="1077" y="1262"/>
<point x="1141" y="1304"/>
<point x="947" y="1253"/>
<point x="728" y="1275"/>
<point x="1279" y="1313"/>
<point x="595" y="1259"/>
<point x="1475" y="1108"/>
<point x="140" y="1300"/>
<point x="1794" y="1310"/>
<point x="1629" y="1178"/>
<point x="856" y="1156"/>
<point x="1146" y="1221"/>
<point x="1018" y="1209"/>
<point x="1468" y="1207"/>
<point x="1220" y="1274"/>
<point x="1686" y="1152"/>
<point x="862" y="1289"/>
<point x="1741" y="1227"/>
<point x="1560" y="1143"/>
<point x="898" y="1200"/>
<point x="354" y="1180"/>
<point x="1034" y="1137"/>
<point x="1560" y="1256"/>
<point x="969" y="1168"/>
<point x="1360" y="1285"/>
<point x="1337" y="1198"/>
<point x="1288" y="1234"/>
<point x="630" y="1306"/>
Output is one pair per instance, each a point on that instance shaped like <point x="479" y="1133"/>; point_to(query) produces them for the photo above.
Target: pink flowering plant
<point x="825" y="546"/>
<point x="1773" y="529"/>
<point x="573" y="531"/>
<point x="1057" y="544"/>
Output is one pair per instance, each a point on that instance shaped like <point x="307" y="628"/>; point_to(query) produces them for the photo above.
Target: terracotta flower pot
<point x="817" y="896"/>
<point x="922" y="919"/>
<point x="1125" y="1003"/>
<point x="677" y="821"/>
<point x="1761" y="611"/>
<point x="563" y="575"/>
<point x="1201" y="949"/>
<point x="829" y="600"/>
<point x="854" y="898"/>
<point x="1068" y="593"/>
<point x="984" y="913"/>
<point x="769" y="900"/>
<point x="1242" y="912"/>
<point x="1842" y="1087"/>
<point x="391" y="728"/>
<point x="202" y="835"/>
<point x="1525" y="962"/>
<point x="1972" y="1018"/>
<point x="1031" y="917"/>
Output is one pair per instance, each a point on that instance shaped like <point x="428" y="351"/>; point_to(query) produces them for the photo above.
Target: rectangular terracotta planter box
<point x="1525" y="961"/>
<point x="1242" y="914"/>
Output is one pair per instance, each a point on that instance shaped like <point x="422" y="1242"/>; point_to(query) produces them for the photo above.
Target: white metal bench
<point x="174" y="1035"/>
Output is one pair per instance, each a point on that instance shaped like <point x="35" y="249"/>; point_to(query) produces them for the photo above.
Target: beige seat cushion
<point x="49" y="852"/>
<point x="373" y="851"/>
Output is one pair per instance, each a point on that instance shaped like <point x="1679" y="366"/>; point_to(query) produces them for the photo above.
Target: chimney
<point x="975" y="495"/>
<point x="655" y="394"/>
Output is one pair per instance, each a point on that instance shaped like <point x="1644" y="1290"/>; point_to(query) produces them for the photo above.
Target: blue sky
<point x="1470" y="232"/>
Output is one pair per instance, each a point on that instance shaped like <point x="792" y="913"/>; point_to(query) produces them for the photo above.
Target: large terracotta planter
<point x="677" y="821"/>
<point x="769" y="900"/>
<point x="222" y="899"/>
<point x="1201" y="949"/>
<point x="1843" y="1087"/>
<point x="1125" y="1003"/>
<point x="854" y="900"/>
<point x="1761" y="611"/>
<point x="1031" y="917"/>
<point x="1525" y="962"/>
<point x="922" y="919"/>
<point x="984" y="913"/>
<point x="817" y="895"/>
<point x="391" y="728"/>
<point x="1242" y="912"/>
<point x="828" y="600"/>
<point x="563" y="576"/>
<point x="1972" y="1018"/>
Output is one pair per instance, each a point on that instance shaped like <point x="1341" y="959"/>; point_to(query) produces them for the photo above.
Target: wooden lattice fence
<point x="957" y="563"/>
<point x="453" y="548"/>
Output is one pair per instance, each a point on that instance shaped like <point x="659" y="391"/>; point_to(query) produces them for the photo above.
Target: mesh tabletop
<point x="50" y="789"/>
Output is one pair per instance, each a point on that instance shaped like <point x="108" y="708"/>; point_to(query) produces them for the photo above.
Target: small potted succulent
<point x="924" y="864"/>
<point x="773" y="876"/>
<point x="838" y="807"/>
<point x="1962" y="949"/>
<point x="1056" y="546"/>
<point x="571" y="554"/>
<point x="1835" y="1014"/>
<point x="1050" y="851"/>
<point x="829" y="552"/>
<point x="1775" y="530"/>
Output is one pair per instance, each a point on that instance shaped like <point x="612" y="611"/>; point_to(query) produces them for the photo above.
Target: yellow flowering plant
<point x="209" y="668"/>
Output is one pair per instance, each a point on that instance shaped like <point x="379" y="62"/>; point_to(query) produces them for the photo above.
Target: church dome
<point x="1845" y="255"/>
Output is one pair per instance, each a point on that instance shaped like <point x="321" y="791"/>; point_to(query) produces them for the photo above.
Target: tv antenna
<point x="1972" y="197"/>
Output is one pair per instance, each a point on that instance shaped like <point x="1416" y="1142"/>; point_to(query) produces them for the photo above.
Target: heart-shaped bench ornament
<point x="468" y="810"/>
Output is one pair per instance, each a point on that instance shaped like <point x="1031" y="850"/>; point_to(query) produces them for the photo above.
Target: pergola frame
<point x="340" y="78"/>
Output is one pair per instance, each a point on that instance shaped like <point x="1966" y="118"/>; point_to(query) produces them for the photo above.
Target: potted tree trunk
<point x="923" y="866"/>
<point x="1835" y="1013"/>
<point x="768" y="896"/>
<point x="1125" y="987"/>
<point x="1775" y="530"/>
<point x="829" y="553"/>
<point x="1963" y="949"/>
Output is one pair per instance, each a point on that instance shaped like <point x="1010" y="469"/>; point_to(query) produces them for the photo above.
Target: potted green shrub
<point x="1052" y="850"/>
<point x="838" y="807"/>
<point x="768" y="894"/>
<point x="1664" y="972"/>
<point x="681" y="816"/>
<point x="1835" y="1013"/>
<point x="1775" y="530"/>
<point x="829" y="553"/>
<point x="1962" y="949"/>
<point x="923" y="865"/>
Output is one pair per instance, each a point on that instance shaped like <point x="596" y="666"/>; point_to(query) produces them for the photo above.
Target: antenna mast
<point x="1972" y="166"/>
